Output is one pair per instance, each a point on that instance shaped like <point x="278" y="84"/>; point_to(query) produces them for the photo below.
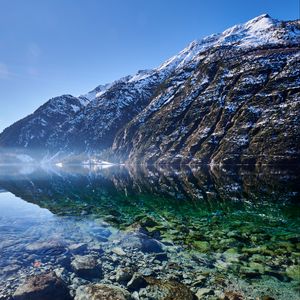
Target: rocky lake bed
<point x="158" y="250"/>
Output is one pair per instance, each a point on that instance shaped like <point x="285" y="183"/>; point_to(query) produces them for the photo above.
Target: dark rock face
<point x="45" y="286"/>
<point x="236" y="107"/>
<point x="229" y="98"/>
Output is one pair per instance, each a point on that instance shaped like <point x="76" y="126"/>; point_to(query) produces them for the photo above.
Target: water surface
<point x="237" y="230"/>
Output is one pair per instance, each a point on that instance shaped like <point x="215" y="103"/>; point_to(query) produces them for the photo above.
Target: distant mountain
<point x="229" y="98"/>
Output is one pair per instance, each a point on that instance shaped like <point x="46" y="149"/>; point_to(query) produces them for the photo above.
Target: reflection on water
<point x="238" y="229"/>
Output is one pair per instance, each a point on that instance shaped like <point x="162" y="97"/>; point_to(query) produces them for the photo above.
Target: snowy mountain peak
<point x="261" y="30"/>
<point x="58" y="101"/>
<point x="94" y="93"/>
<point x="63" y="104"/>
<point x="256" y="25"/>
<point x="141" y="75"/>
<point x="262" y="17"/>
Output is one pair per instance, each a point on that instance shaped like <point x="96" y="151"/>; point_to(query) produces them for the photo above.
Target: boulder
<point x="141" y="242"/>
<point x="201" y="293"/>
<point x="166" y="290"/>
<point x="123" y="275"/>
<point x="101" y="292"/>
<point x="78" y="248"/>
<point x="202" y="246"/>
<point x="294" y="272"/>
<point x="119" y="251"/>
<point x="86" y="267"/>
<point x="45" y="286"/>
<point x="230" y="295"/>
<point x="137" y="282"/>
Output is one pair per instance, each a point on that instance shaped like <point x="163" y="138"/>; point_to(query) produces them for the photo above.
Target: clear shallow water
<point x="238" y="229"/>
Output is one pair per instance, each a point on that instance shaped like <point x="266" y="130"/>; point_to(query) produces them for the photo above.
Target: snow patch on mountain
<point x="253" y="33"/>
<point x="96" y="92"/>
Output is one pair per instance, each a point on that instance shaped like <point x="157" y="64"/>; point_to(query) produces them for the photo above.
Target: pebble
<point x="137" y="282"/>
<point x="118" y="251"/>
<point x="203" y="292"/>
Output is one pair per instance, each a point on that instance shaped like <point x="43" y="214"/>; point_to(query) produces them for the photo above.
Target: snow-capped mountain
<point x="230" y="97"/>
<point x="34" y="130"/>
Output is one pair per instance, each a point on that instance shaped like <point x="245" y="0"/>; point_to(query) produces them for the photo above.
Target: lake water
<point x="218" y="232"/>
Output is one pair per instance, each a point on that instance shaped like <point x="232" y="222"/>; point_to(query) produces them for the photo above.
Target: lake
<point x="215" y="232"/>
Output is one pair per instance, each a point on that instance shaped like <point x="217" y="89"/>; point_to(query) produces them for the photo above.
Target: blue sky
<point x="54" y="47"/>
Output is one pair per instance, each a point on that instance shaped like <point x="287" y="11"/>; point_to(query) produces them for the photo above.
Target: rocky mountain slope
<point x="228" y="98"/>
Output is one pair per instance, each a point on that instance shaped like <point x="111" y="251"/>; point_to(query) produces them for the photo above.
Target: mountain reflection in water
<point x="243" y="224"/>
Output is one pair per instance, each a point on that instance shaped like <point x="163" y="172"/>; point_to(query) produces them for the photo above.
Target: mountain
<point x="229" y="98"/>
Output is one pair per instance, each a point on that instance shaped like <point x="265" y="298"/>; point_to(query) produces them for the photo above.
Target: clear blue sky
<point x="53" y="47"/>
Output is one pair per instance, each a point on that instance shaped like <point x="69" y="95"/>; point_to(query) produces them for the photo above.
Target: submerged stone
<point x="118" y="251"/>
<point x="42" y="287"/>
<point x="257" y="267"/>
<point x="166" y="290"/>
<point x="294" y="272"/>
<point x="51" y="248"/>
<point x="202" y="246"/>
<point x="199" y="280"/>
<point x="161" y="256"/>
<point x="101" y="292"/>
<point x="78" y="248"/>
<point x="141" y="242"/>
<point x="86" y="267"/>
<point x="148" y="222"/>
<point x="123" y="275"/>
<point x="232" y="296"/>
<point x="203" y="292"/>
<point x="259" y="250"/>
<point x="249" y="272"/>
<point x="137" y="282"/>
<point x="10" y="269"/>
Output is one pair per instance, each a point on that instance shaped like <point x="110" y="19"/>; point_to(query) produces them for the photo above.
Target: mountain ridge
<point x="118" y="119"/>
